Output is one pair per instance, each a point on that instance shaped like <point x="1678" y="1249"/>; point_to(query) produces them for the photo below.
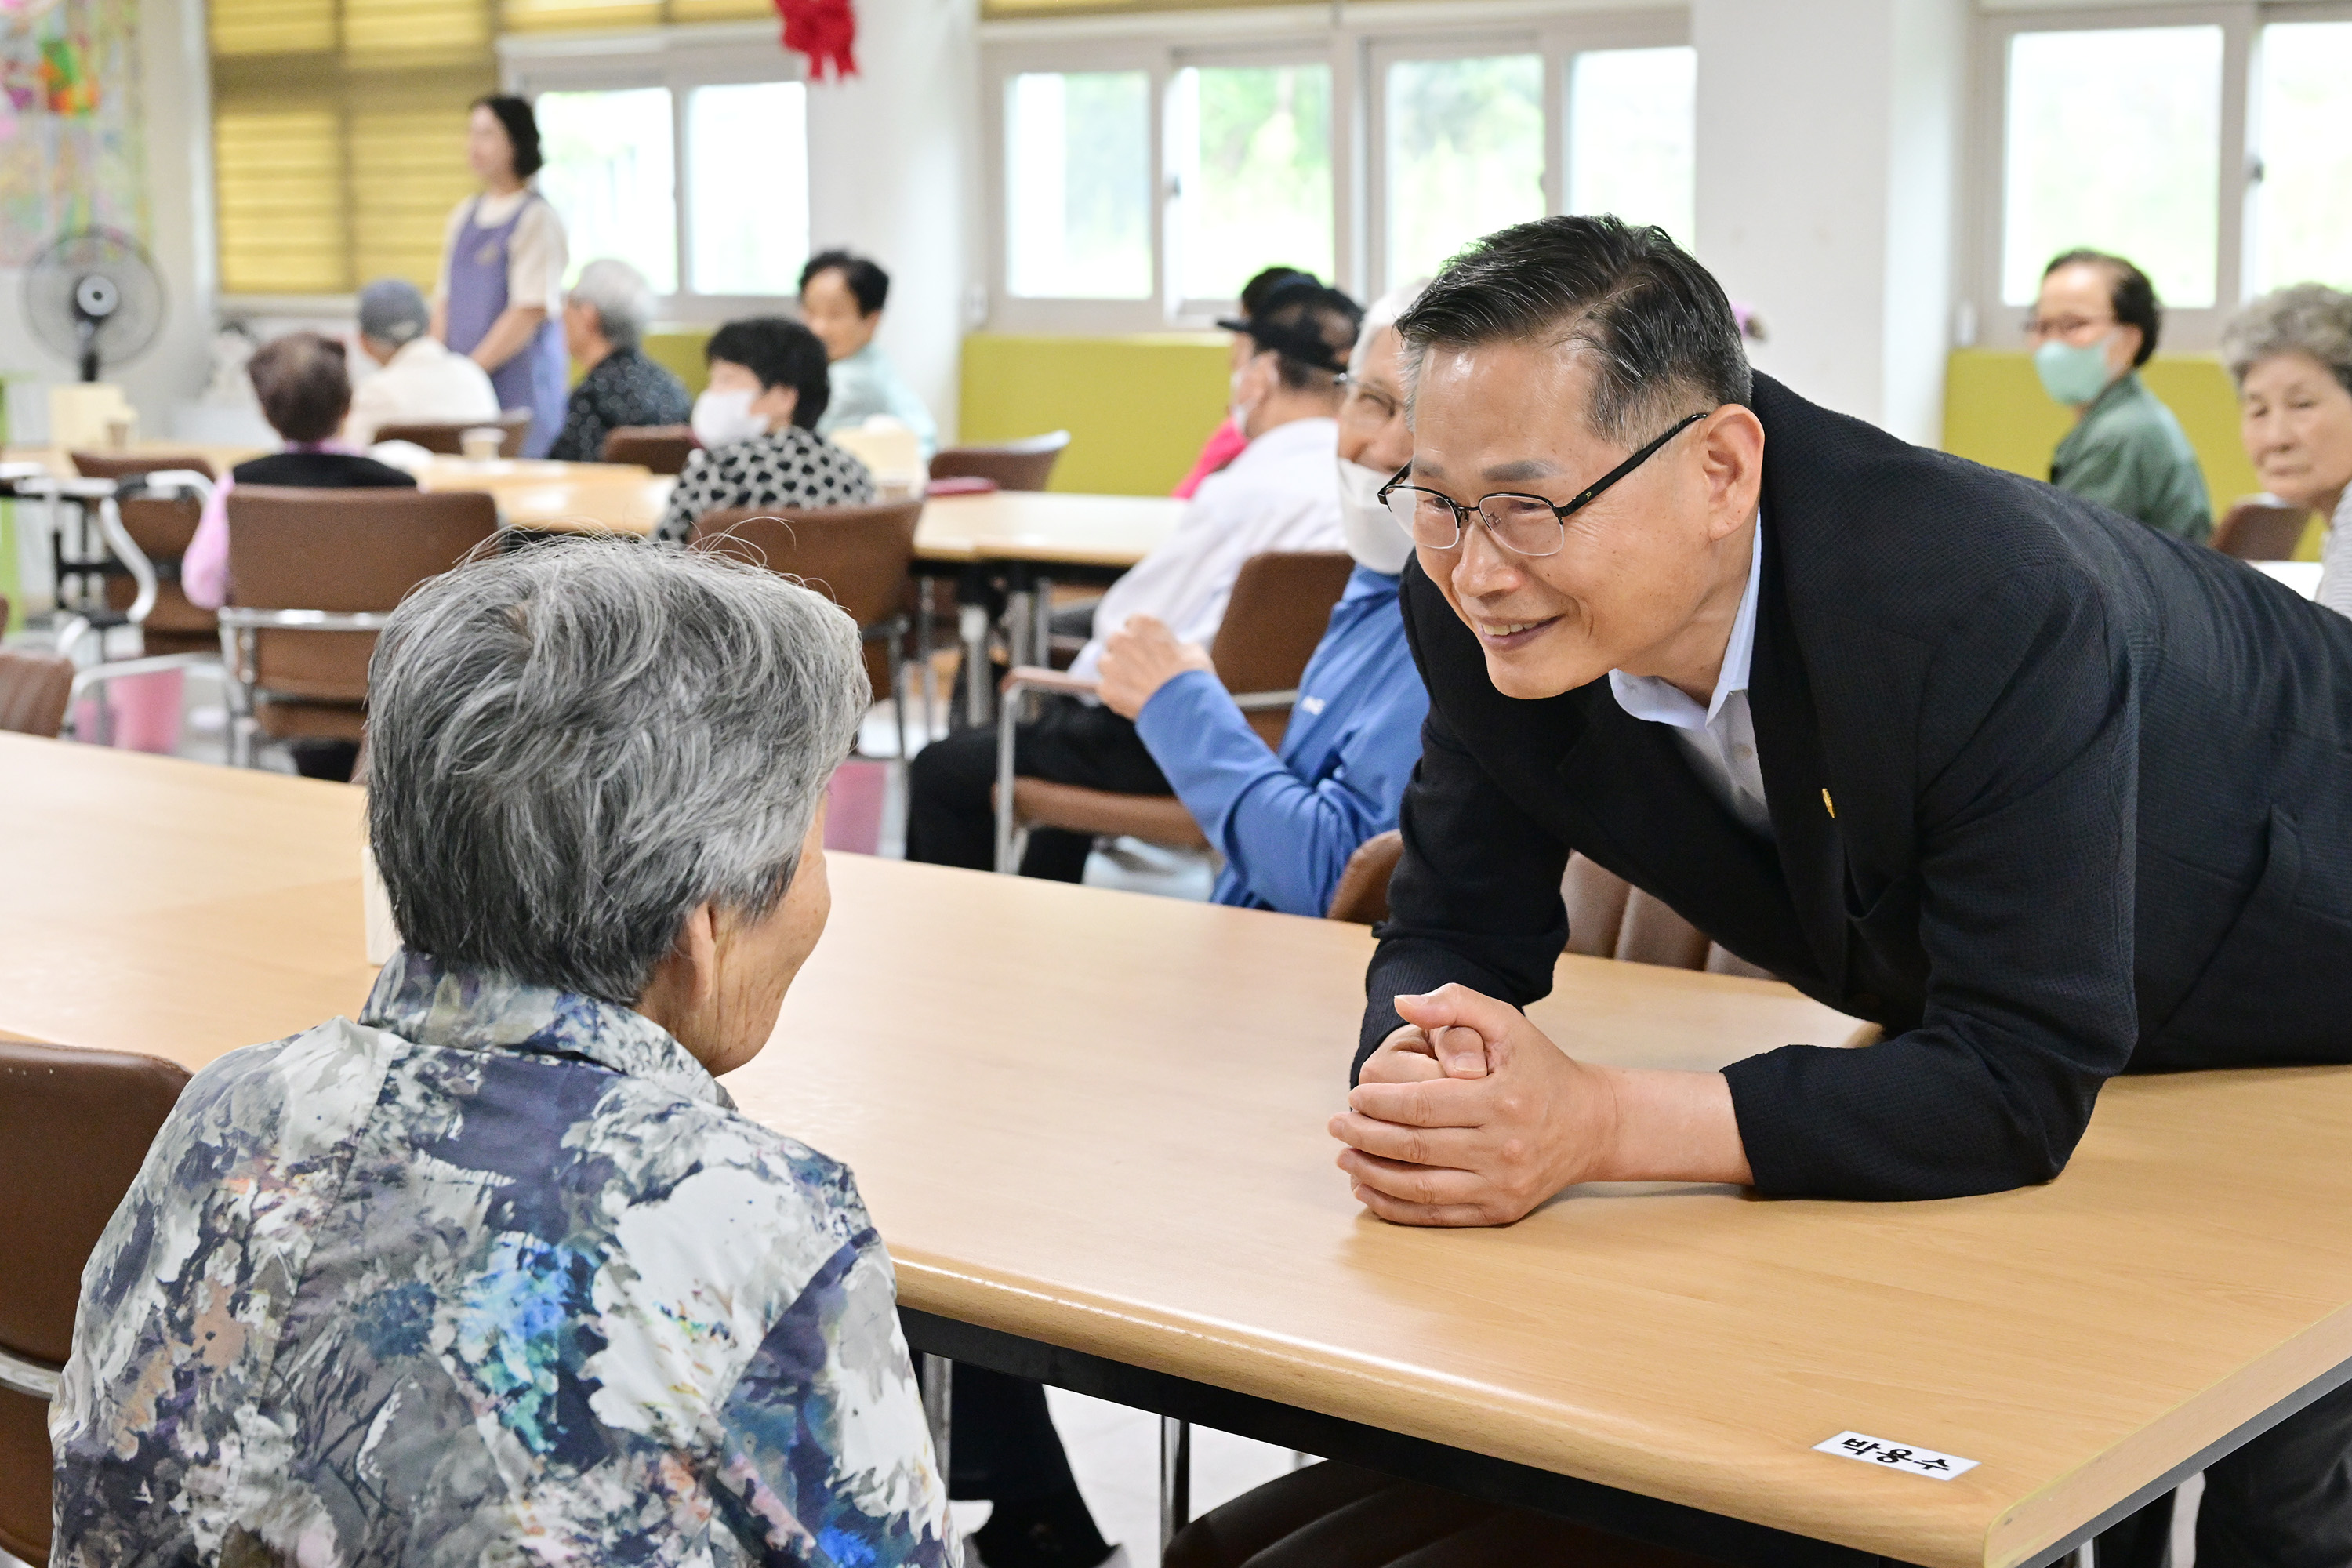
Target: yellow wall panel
<point x="1137" y="409"/>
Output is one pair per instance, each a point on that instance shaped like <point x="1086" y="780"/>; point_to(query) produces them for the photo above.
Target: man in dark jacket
<point x="2046" y="794"/>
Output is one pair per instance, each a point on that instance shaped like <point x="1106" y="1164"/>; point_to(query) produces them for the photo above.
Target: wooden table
<point x="1093" y="1137"/>
<point x="549" y="497"/>
<point x="60" y="463"/>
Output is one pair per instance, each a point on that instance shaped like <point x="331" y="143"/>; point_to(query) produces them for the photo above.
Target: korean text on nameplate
<point x="1889" y="1455"/>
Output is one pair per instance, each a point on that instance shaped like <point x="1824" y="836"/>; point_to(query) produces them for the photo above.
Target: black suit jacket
<point x="2093" y="809"/>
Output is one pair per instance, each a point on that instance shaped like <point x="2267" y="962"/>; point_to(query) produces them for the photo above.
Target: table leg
<point x="972" y="623"/>
<point x="927" y="606"/>
<point x="1175" y="1478"/>
<point x="1020" y="623"/>
<point x="937" y="1375"/>
<point x="1041" y="629"/>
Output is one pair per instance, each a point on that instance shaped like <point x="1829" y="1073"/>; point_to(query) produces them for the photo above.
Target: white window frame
<point x="2187" y="330"/>
<point x="1359" y="41"/>
<point x="681" y="58"/>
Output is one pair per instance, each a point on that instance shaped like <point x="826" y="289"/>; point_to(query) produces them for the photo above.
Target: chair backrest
<point x="1607" y="917"/>
<point x="857" y="557"/>
<point x="1362" y="895"/>
<point x="656" y="448"/>
<point x="1014" y="466"/>
<point x="33" y="690"/>
<point x="1280" y="608"/>
<point x="447" y="436"/>
<point x="2261" y="531"/>
<point x="124" y="464"/>
<point x="74" y="1126"/>
<point x="340" y="551"/>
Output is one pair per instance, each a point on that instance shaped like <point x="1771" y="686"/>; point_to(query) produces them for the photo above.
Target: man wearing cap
<point x="420" y="381"/>
<point x="1280" y="494"/>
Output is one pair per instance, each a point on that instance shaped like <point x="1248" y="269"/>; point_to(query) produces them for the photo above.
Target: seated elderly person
<point x="1278" y="495"/>
<point x="526" y="1286"/>
<point x="757" y="422"/>
<point x="1287" y="821"/>
<point x="842" y="296"/>
<point x="2290" y="352"/>
<point x="420" y="381"/>
<point x="605" y="318"/>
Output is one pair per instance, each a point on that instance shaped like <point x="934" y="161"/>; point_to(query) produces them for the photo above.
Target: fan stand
<point x="86" y="331"/>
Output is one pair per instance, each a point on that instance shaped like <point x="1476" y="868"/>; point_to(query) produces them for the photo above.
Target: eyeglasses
<point x="1366" y="403"/>
<point x="1522" y="524"/>
<point x="2064" y="326"/>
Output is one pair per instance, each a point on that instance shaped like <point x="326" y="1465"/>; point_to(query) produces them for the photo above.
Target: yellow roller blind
<point x="1008" y="10"/>
<point x="616" y="16"/>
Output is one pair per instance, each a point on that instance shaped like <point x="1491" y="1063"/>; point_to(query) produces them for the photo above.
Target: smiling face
<point x="832" y="313"/>
<point x="1648" y="576"/>
<point x="2295" y="418"/>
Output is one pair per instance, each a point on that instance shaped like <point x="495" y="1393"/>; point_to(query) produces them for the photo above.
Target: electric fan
<point x="95" y="298"/>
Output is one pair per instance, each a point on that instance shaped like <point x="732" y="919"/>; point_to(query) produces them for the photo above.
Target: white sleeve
<point x="2335" y="563"/>
<point x="370" y="408"/>
<point x="536" y="259"/>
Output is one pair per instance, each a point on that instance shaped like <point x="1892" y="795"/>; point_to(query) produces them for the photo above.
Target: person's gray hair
<point x="1379" y="315"/>
<point x="1652" y="323"/>
<point x="622" y="299"/>
<point x="573" y="746"/>
<point x="2306" y="318"/>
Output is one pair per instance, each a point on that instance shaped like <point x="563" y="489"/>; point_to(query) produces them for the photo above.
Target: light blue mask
<point x="2072" y="375"/>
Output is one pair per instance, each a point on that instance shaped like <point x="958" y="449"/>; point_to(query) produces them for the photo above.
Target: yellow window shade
<point x="272" y="27"/>
<point x="723" y="11"/>
<point x="407" y="170"/>
<point x="1008" y="10"/>
<point x="278" y="179"/>
<point x="409" y="31"/>
<point x="578" y="16"/>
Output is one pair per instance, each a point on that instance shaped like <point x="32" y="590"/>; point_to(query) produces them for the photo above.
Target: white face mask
<point x="1375" y="538"/>
<point x="1239" y="408"/>
<point x="721" y="418"/>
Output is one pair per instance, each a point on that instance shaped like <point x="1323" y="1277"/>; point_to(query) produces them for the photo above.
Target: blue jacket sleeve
<point x="1286" y="838"/>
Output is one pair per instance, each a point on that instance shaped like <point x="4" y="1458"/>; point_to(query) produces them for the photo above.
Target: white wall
<point x="1828" y="175"/>
<point x="893" y="173"/>
<point x="172" y="87"/>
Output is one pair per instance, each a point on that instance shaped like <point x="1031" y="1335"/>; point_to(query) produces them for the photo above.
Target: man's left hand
<point x="1140" y="659"/>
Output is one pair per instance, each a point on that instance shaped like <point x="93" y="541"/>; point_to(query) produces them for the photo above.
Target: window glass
<point x="1632" y="118"/>
<point x="1464" y="154"/>
<point x="746" y="186"/>
<point x="1252" y="149"/>
<point x="2302" y="207"/>
<point x="2115" y="141"/>
<point x="1078" y="185"/>
<point x="611" y="172"/>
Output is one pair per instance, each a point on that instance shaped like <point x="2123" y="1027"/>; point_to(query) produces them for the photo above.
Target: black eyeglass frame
<point x="1560" y="511"/>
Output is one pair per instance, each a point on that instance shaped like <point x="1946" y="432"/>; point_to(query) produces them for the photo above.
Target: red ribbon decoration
<point x="824" y="31"/>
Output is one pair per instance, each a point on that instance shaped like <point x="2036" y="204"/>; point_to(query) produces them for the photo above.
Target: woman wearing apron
<point x="502" y="272"/>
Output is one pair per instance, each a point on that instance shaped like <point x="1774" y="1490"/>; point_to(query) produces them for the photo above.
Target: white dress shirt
<point x="1720" y="738"/>
<point x="422" y="383"/>
<point x="2336" y="559"/>
<point x="1281" y="493"/>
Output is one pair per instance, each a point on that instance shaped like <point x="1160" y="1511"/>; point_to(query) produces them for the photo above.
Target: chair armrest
<point x="1261" y="701"/>
<point x="235" y="618"/>
<point x="1036" y="677"/>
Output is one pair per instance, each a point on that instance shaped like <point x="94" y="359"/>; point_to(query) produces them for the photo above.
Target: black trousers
<point x="949" y="821"/>
<point x="1001" y="1445"/>
<point x="2283" y="1500"/>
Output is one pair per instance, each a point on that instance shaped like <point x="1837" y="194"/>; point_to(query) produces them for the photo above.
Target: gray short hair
<point x="622" y="299"/>
<point x="2308" y="318"/>
<point x="1653" y="322"/>
<point x="575" y="744"/>
<point x="1381" y="313"/>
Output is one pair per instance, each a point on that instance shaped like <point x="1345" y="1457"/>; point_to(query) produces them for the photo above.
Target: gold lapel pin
<point x="1828" y="804"/>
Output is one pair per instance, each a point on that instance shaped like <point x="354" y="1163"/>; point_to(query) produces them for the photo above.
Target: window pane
<point x="1465" y="156"/>
<point x="746" y="186"/>
<point x="2303" y="220"/>
<point x="1633" y="119"/>
<point x="1078" y="185"/>
<point x="1253" y="153"/>
<point x="611" y="172"/>
<point x="2115" y="141"/>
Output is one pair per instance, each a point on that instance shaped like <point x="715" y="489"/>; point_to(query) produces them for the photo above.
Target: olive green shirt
<point x="2127" y="453"/>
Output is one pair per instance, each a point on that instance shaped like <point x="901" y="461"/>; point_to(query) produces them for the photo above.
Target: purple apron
<point x="535" y="378"/>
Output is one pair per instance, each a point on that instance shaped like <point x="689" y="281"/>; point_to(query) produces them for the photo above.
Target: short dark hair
<point x="2130" y="295"/>
<point x="781" y="352"/>
<point x="1311" y="331"/>
<point x="1654" y="324"/>
<point x="1254" y="291"/>
<point x="521" y="127"/>
<point x="865" y="281"/>
<point x="304" y="384"/>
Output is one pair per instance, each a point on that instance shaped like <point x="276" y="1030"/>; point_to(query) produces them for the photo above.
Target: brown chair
<point x="2261" y="531"/>
<point x="657" y="448"/>
<point x="312" y="574"/>
<point x="74" y="1126"/>
<point x="1014" y="466"/>
<point x="35" y="691"/>
<point x="1280" y="605"/>
<point x="447" y="437"/>
<point x="1362" y="895"/>
<point x="162" y="526"/>
<point x="857" y="556"/>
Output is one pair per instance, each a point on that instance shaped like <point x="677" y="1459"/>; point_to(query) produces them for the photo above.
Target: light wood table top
<point x="60" y="463"/>
<point x="1095" y="1119"/>
<point x="549" y="497"/>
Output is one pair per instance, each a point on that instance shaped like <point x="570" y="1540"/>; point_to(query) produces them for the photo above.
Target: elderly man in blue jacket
<point x="1287" y="821"/>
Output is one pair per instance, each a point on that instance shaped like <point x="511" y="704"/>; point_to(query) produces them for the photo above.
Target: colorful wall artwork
<point x="72" y="146"/>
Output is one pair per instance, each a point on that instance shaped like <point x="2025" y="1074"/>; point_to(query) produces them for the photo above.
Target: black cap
<point x="1288" y="288"/>
<point x="1298" y="338"/>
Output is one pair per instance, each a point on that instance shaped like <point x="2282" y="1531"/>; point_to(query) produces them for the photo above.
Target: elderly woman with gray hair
<point x="2290" y="352"/>
<point x="605" y="318"/>
<point x="498" y="1272"/>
